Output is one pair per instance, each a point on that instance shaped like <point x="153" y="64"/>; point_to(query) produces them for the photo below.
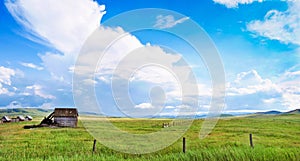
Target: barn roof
<point x="21" y="117"/>
<point x="6" y="118"/>
<point x="29" y="117"/>
<point x="65" y="112"/>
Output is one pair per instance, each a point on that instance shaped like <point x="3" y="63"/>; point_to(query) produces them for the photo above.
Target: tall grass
<point x="275" y="138"/>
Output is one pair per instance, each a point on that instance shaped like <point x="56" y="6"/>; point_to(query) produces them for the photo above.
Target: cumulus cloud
<point x="168" y="21"/>
<point x="5" y="79"/>
<point x="144" y="106"/>
<point x="16" y="94"/>
<point x="62" y="25"/>
<point x="3" y="90"/>
<point x="127" y="61"/>
<point x="38" y="91"/>
<point x="291" y="100"/>
<point x="65" y="29"/>
<point x="249" y="83"/>
<point x="250" y="91"/>
<point x="277" y="25"/>
<point x="160" y="77"/>
<point x="235" y="3"/>
<point x="33" y="66"/>
<point x="6" y="74"/>
<point x="170" y="107"/>
<point x="289" y="83"/>
<point x="270" y="100"/>
<point x="14" y="104"/>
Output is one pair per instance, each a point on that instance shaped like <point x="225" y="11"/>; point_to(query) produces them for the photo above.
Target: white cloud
<point x="250" y="88"/>
<point x="204" y="90"/>
<point x="142" y="65"/>
<point x="160" y="76"/>
<point x="235" y="3"/>
<point x="3" y="90"/>
<point x="63" y="25"/>
<point x="46" y="106"/>
<point x="129" y="51"/>
<point x="144" y="106"/>
<point x="5" y="79"/>
<point x="170" y="107"/>
<point x="271" y="100"/>
<point x="6" y="74"/>
<point x="168" y="21"/>
<point x="249" y="83"/>
<point x="31" y="65"/>
<point x="90" y="82"/>
<point x="38" y="91"/>
<point x="289" y="83"/>
<point x="281" y="26"/>
<point x="14" y="104"/>
<point x="291" y="100"/>
<point x="58" y="65"/>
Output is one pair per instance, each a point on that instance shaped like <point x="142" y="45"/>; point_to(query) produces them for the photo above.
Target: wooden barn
<point x="28" y="118"/>
<point x="65" y="117"/>
<point x="5" y="119"/>
<point x="21" y="118"/>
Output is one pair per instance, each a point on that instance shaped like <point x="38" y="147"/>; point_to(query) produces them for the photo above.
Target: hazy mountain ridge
<point x="46" y="112"/>
<point x="25" y="111"/>
<point x="274" y="112"/>
<point x="296" y="111"/>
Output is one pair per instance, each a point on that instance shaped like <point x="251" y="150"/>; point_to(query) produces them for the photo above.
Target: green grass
<point x="274" y="137"/>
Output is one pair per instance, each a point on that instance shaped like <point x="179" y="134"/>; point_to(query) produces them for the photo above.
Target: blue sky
<point x="258" y="42"/>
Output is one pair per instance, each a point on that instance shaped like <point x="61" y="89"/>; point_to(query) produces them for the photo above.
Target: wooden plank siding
<point x="66" y="121"/>
<point x="65" y="117"/>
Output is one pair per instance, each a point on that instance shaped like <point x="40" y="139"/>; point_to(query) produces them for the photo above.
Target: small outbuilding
<point x="28" y="118"/>
<point x="65" y="117"/>
<point x="5" y="119"/>
<point x="21" y="118"/>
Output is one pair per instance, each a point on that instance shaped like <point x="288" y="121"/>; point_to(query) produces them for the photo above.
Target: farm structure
<point x="61" y="117"/>
<point x="5" y="119"/>
<point x="28" y="118"/>
<point x="21" y="118"/>
<point x="18" y="118"/>
<point x="65" y="117"/>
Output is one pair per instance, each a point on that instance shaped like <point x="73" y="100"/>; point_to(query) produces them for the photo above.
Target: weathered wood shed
<point x="28" y="118"/>
<point x="65" y="117"/>
<point x="5" y="119"/>
<point x="21" y="118"/>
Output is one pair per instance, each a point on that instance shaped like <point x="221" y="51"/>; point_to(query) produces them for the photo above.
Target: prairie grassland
<point x="274" y="137"/>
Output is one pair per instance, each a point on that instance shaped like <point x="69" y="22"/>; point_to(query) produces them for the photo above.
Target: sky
<point x="41" y="42"/>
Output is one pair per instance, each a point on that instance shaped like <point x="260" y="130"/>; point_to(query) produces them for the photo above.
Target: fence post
<point x="251" y="141"/>
<point x="183" y="144"/>
<point x="94" y="145"/>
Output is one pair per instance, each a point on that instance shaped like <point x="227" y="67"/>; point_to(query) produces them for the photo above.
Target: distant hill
<point x="226" y="115"/>
<point x="34" y="112"/>
<point x="296" y="111"/>
<point x="269" y="113"/>
<point x="25" y="111"/>
<point x="45" y="112"/>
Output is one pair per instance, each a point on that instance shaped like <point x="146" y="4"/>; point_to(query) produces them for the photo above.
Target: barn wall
<point x="15" y="120"/>
<point x="66" y="121"/>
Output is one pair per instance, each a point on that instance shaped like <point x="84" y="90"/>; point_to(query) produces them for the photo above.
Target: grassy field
<point x="275" y="138"/>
